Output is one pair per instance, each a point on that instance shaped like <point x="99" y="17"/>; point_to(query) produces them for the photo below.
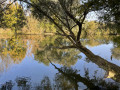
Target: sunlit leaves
<point x="13" y="17"/>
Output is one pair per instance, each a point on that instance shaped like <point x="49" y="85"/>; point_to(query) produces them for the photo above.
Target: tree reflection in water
<point x="69" y="57"/>
<point x="15" y="48"/>
<point x="7" y="86"/>
<point x="116" y="49"/>
<point x="51" y="49"/>
<point x="45" y="84"/>
<point x="67" y="77"/>
<point x="23" y="83"/>
<point x="12" y="51"/>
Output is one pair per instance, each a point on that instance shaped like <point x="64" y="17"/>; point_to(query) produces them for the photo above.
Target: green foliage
<point x="90" y="27"/>
<point x="47" y="26"/>
<point x="1" y="15"/>
<point x="38" y="27"/>
<point x="66" y="14"/>
<point x="96" y="28"/>
<point x="108" y="10"/>
<point x="13" y="17"/>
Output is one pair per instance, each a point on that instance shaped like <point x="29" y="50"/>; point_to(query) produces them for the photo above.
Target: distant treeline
<point x="33" y="26"/>
<point x="89" y="28"/>
<point x="97" y="28"/>
<point x="38" y="27"/>
<point x="14" y="20"/>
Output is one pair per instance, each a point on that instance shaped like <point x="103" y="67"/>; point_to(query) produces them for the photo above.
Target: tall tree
<point x="65" y="14"/>
<point x="13" y="17"/>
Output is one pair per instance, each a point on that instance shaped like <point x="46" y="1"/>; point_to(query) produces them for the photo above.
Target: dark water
<point x="37" y="63"/>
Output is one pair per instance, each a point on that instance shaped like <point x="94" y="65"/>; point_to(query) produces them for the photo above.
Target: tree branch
<point x="69" y="14"/>
<point x="79" y="32"/>
<point x="73" y="26"/>
<point x="84" y="16"/>
<point x="50" y="18"/>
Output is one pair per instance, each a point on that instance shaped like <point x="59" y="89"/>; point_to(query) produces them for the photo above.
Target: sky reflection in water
<point x="24" y="64"/>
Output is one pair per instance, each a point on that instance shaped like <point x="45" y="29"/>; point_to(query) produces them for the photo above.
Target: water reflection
<point x="116" y="49"/>
<point x="68" y="78"/>
<point x="116" y="53"/>
<point x="65" y="79"/>
<point x="47" y="51"/>
<point x="12" y="51"/>
<point x="93" y="41"/>
<point x="13" y="47"/>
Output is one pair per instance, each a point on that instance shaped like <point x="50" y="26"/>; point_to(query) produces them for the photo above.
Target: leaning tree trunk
<point x="102" y="63"/>
<point x="79" y="32"/>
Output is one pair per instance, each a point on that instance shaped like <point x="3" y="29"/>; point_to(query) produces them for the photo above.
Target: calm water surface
<point x="37" y="63"/>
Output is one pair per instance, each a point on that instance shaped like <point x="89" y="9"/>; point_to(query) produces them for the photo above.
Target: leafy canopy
<point x="13" y="17"/>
